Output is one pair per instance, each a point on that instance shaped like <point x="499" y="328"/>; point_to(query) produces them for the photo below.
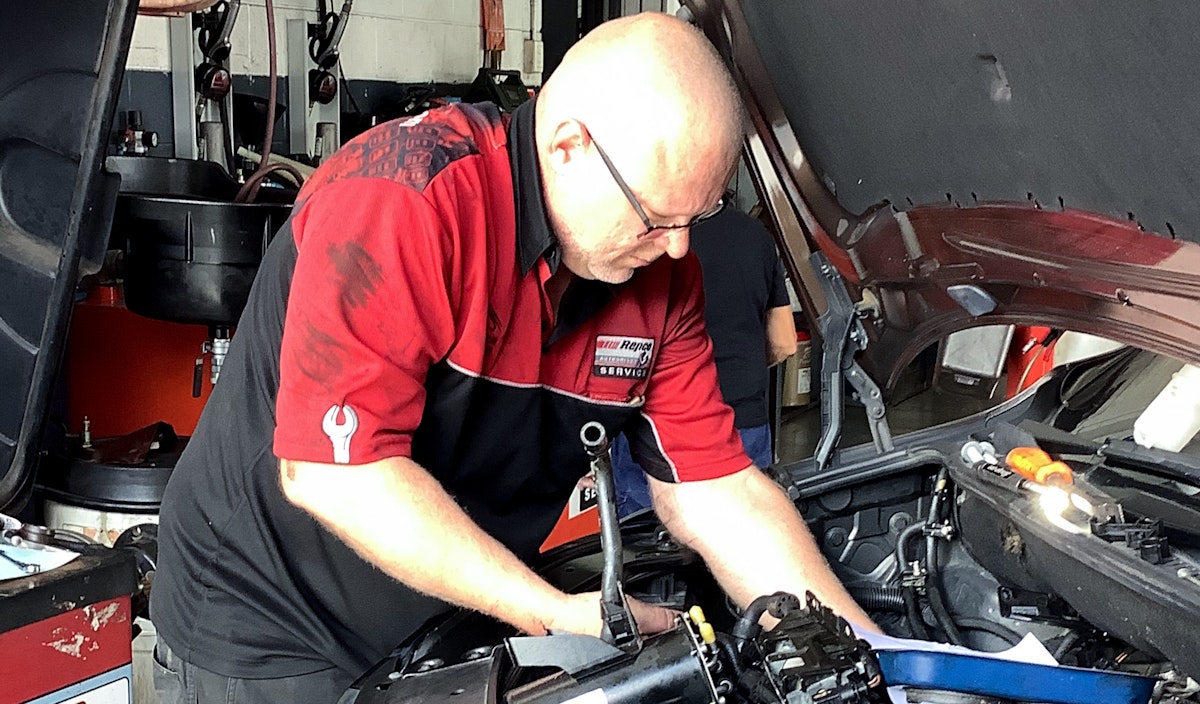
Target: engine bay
<point x="940" y="543"/>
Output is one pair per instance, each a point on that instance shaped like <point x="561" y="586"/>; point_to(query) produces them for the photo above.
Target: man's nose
<point x="677" y="242"/>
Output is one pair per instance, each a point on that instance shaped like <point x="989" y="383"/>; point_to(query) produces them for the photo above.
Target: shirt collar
<point x="535" y="238"/>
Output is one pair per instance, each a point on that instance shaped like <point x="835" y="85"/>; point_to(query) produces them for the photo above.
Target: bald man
<point x="396" y="428"/>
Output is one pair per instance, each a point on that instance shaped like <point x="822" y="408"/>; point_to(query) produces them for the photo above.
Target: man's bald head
<point x="637" y="132"/>
<point x="648" y="84"/>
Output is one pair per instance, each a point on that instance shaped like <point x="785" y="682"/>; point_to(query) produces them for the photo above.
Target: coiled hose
<point x="878" y="598"/>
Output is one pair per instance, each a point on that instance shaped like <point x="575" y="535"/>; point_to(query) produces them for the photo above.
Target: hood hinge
<point x="843" y="337"/>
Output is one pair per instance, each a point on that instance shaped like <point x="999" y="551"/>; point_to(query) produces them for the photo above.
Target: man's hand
<point x="580" y="613"/>
<point x="758" y="545"/>
<point x="399" y="518"/>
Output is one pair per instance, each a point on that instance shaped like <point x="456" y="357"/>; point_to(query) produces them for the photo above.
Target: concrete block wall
<point x="405" y="41"/>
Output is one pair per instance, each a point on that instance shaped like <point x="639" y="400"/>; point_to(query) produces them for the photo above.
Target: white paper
<point x="46" y="558"/>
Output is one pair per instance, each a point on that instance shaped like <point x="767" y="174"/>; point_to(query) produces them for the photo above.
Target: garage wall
<point x="409" y="41"/>
<point x="632" y="7"/>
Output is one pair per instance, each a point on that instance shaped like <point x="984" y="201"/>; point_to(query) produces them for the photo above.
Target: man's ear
<point x="567" y="143"/>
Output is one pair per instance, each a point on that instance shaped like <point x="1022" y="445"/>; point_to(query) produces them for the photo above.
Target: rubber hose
<point x="249" y="190"/>
<point x="257" y="177"/>
<point x="916" y="622"/>
<point x="908" y="595"/>
<point x="937" y="604"/>
<point x="933" y="583"/>
<point x="902" y="551"/>
<point x="727" y="647"/>
<point x="747" y="625"/>
<point x="999" y="630"/>
<point x="879" y="598"/>
<point x="1068" y="642"/>
<point x="74" y="536"/>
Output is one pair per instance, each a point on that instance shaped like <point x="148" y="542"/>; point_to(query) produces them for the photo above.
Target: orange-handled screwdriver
<point x="1034" y="464"/>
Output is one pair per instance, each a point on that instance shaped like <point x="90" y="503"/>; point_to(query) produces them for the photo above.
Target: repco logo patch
<point x="622" y="357"/>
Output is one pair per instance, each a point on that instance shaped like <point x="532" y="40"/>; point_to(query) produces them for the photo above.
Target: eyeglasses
<point x="637" y="207"/>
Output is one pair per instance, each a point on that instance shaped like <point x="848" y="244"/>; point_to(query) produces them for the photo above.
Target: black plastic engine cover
<point x="1148" y="606"/>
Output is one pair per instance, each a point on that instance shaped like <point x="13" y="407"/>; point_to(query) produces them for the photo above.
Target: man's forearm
<point x="781" y="334"/>
<point x="752" y="538"/>
<point x="399" y="518"/>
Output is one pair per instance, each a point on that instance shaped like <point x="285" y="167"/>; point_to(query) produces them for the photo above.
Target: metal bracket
<point x="305" y="114"/>
<point x="843" y="336"/>
<point x="872" y="400"/>
<point x="183" y="87"/>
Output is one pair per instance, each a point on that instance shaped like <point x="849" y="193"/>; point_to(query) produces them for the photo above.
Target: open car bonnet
<point x="933" y="167"/>
<point x="978" y="163"/>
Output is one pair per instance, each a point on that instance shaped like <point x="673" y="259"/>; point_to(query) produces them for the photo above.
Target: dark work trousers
<point x="180" y="682"/>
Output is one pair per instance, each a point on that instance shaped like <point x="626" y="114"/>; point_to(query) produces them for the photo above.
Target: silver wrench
<point x="26" y="567"/>
<point x="340" y="433"/>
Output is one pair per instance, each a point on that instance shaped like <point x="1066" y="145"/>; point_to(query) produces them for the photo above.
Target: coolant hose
<point x="933" y="584"/>
<point x="729" y="648"/>
<point x="902" y="551"/>
<point x="912" y="608"/>
<point x="747" y="626"/>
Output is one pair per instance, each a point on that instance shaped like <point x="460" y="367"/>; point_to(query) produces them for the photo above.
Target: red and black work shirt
<point x="402" y="312"/>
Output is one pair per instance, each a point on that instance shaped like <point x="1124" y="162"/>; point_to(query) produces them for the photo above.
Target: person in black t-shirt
<point x="749" y="319"/>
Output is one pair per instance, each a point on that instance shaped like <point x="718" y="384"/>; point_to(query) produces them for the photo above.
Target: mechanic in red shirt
<point x="396" y="428"/>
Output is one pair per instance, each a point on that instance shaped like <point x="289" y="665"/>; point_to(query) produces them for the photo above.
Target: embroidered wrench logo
<point x="340" y="433"/>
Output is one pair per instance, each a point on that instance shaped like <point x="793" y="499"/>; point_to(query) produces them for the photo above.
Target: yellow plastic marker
<point x="697" y="615"/>
<point x="707" y="634"/>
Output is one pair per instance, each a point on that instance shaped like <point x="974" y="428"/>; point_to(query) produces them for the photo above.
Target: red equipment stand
<point x="65" y="634"/>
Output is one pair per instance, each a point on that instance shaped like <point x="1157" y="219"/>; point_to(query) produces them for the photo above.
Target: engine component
<point x="675" y="666"/>
<point x="811" y="657"/>
<point x="1026" y="605"/>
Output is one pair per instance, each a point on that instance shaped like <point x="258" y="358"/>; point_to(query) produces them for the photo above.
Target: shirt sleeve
<point x="685" y="431"/>
<point x="369" y="311"/>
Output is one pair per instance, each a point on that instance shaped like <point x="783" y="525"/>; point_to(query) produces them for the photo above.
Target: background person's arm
<point x="399" y="518"/>
<point x="752" y="539"/>
<point x="781" y="334"/>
